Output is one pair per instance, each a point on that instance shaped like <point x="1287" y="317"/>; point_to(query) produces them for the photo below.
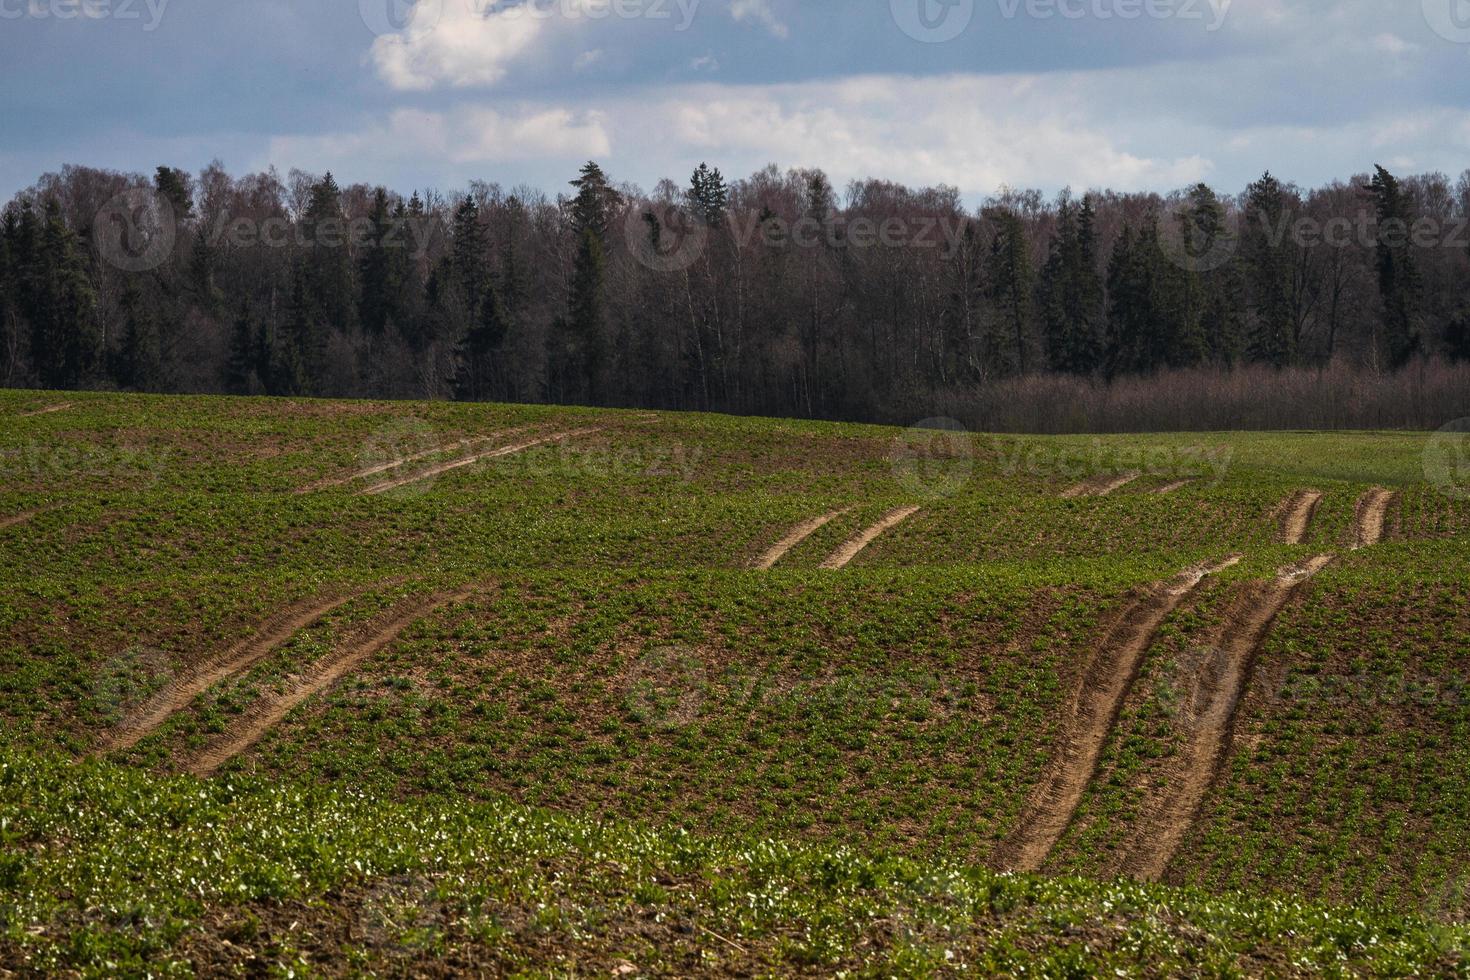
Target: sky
<point x="977" y="94"/>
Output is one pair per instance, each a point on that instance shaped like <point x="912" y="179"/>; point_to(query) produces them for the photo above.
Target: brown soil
<point x="183" y="690"/>
<point x="1175" y="485"/>
<point x="855" y="545"/>
<point x="394" y="464"/>
<point x="46" y="411"/>
<point x="1095" y="711"/>
<point x="1297" y="514"/>
<point x="1210" y="721"/>
<point x="1370" y="522"/>
<point x="432" y="471"/>
<point x="796" y="536"/>
<point x="275" y="706"/>
<point x="1101" y="486"/>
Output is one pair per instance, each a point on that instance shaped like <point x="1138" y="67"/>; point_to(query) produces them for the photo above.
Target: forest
<point x="771" y="295"/>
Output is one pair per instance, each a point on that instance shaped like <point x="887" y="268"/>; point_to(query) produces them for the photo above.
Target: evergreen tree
<point x="1270" y="271"/>
<point x="1010" y="281"/>
<point x="708" y="195"/>
<point x="1398" y="274"/>
<point x="66" y="339"/>
<point x="140" y="359"/>
<point x="1072" y="293"/>
<point x="327" y="282"/>
<point x="378" y="273"/>
<point x="478" y="354"/>
<point x="244" y="369"/>
<point x="471" y="253"/>
<point x="584" y="325"/>
<point x="174" y="186"/>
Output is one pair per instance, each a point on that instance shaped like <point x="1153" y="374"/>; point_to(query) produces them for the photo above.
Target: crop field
<point x="321" y="688"/>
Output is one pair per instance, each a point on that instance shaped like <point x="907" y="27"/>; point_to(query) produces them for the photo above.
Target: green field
<point x="540" y="713"/>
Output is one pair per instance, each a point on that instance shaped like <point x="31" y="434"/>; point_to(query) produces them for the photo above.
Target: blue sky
<point x="1128" y="94"/>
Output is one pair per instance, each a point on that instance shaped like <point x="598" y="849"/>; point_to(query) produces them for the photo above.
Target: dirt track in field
<point x="1208" y="721"/>
<point x="272" y="707"/>
<point x="1297" y="514"/>
<point x="21" y="518"/>
<point x="1370" y="520"/>
<point x="854" y="546"/>
<point x="795" y="537"/>
<point x="470" y="460"/>
<point x="363" y="474"/>
<point x="47" y="410"/>
<point x="1175" y="485"/>
<point x="1094" y="713"/>
<point x="182" y="691"/>
<point x="1101" y="486"/>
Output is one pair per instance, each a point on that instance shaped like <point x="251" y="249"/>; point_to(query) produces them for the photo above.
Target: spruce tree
<point x="327" y="268"/>
<point x="1269" y="274"/>
<point x="140" y="359"/>
<point x="66" y="339"/>
<point x="1010" y="281"/>
<point x="1398" y="274"/>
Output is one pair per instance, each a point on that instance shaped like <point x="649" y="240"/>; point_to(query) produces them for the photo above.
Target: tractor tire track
<point x="182" y="691"/>
<point x="795" y="537"/>
<point x="1210" y="722"/>
<point x="47" y="410"/>
<point x="404" y="461"/>
<point x="1370" y="518"/>
<point x="273" y="707"/>
<point x="1101" y="486"/>
<point x="854" y="546"/>
<point x="1094" y="714"/>
<point x="17" y="519"/>
<point x="1297" y="514"/>
<point x="433" y="471"/>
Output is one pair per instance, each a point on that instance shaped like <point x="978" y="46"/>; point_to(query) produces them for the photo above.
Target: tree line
<point x="768" y="295"/>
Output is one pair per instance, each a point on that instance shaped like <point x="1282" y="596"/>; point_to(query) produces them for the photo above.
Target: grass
<point x="619" y="666"/>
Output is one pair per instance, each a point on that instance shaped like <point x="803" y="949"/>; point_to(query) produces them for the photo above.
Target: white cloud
<point x="587" y="59"/>
<point x="759" y="12"/>
<point x="453" y="43"/>
<point x="465" y="136"/>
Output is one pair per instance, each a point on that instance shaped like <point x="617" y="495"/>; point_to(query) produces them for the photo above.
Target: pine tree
<point x="140" y="359"/>
<point x="1398" y="274"/>
<point x="66" y="339"/>
<point x="584" y="325"/>
<point x="174" y="186"/>
<point x="328" y="269"/>
<point x="244" y="370"/>
<point x="471" y="252"/>
<point x="1071" y="293"/>
<point x="378" y="273"/>
<point x="1269" y="274"/>
<point x="1010" y="281"/>
<point x="708" y="195"/>
<point x="478" y="354"/>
